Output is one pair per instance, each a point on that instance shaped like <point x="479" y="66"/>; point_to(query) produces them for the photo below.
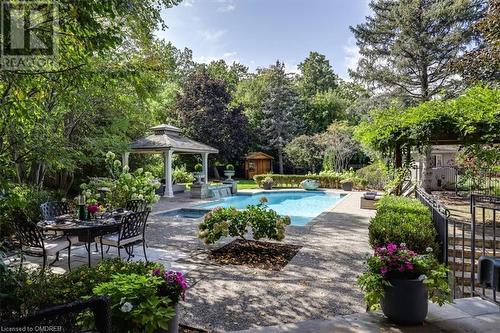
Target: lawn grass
<point x="247" y="184"/>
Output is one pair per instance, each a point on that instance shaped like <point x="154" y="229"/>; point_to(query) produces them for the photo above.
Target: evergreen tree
<point x="316" y="75"/>
<point x="407" y="46"/>
<point x="280" y="106"/>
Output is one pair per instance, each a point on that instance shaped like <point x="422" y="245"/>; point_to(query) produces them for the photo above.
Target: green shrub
<point x="198" y="168"/>
<point x="230" y="167"/>
<point x="224" y="222"/>
<point x="403" y="220"/>
<point x="327" y="179"/>
<point x="374" y="176"/>
<point x="26" y="199"/>
<point x="181" y="175"/>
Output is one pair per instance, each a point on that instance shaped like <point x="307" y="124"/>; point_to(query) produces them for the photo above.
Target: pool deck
<point x="318" y="283"/>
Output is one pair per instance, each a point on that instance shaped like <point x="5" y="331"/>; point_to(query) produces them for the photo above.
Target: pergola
<point x="166" y="140"/>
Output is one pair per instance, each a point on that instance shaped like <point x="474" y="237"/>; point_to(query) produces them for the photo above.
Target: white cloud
<point x="187" y="3"/>
<point x="291" y="67"/>
<point x="225" y="5"/>
<point x="351" y="54"/>
<point x="212" y="35"/>
<point x="228" y="57"/>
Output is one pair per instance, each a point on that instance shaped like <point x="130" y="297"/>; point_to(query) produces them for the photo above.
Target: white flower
<point x="148" y="174"/>
<point x="125" y="188"/>
<point x="110" y="155"/>
<point x="402" y="245"/>
<point x="122" y="300"/>
<point x="117" y="163"/>
<point x="139" y="171"/>
<point x="140" y="197"/>
<point x="126" y="307"/>
<point x="133" y="189"/>
<point x="429" y="249"/>
<point x="126" y="168"/>
<point x="422" y="277"/>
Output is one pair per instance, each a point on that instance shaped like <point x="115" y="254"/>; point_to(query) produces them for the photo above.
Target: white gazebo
<point x="166" y="140"/>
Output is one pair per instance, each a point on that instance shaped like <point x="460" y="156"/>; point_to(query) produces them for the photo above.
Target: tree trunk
<point x="216" y="173"/>
<point x="280" y="159"/>
<point x="427" y="177"/>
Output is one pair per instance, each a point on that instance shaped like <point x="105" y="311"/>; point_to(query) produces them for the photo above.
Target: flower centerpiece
<point x="198" y="172"/>
<point x="229" y="172"/>
<point x="174" y="287"/>
<point x="402" y="281"/>
<point x="267" y="183"/>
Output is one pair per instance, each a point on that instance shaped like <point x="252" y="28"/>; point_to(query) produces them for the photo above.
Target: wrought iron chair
<point x="137" y="205"/>
<point x="132" y="232"/>
<point x="33" y="243"/>
<point x="65" y="316"/>
<point x="52" y="209"/>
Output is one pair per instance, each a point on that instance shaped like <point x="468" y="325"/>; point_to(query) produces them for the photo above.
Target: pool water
<point x="302" y="207"/>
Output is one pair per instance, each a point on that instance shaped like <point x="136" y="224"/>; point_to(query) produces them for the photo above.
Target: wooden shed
<point x="258" y="163"/>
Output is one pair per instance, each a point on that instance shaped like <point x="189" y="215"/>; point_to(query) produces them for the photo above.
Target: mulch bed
<point x="263" y="255"/>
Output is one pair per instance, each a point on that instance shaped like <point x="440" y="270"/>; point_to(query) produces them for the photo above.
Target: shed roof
<point x="258" y="156"/>
<point x="169" y="137"/>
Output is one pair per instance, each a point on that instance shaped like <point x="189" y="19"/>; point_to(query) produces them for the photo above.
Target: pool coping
<point x="261" y="191"/>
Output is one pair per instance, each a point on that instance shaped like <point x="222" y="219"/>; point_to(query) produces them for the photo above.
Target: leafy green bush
<point x="402" y="220"/>
<point x="181" y="175"/>
<point x="230" y="167"/>
<point x="198" y="168"/>
<point x="123" y="185"/>
<point x="374" y="176"/>
<point x="26" y="199"/>
<point x="224" y="222"/>
<point x="135" y="305"/>
<point x="327" y="179"/>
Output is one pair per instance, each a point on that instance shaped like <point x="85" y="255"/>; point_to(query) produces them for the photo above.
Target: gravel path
<point x="318" y="283"/>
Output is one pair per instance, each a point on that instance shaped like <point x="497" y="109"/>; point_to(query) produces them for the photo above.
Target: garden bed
<point x="263" y="255"/>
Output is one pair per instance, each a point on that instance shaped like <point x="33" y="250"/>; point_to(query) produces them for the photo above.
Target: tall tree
<point x="280" y="107"/>
<point x="204" y="114"/>
<point x="407" y="46"/>
<point x="232" y="74"/>
<point x="316" y="84"/>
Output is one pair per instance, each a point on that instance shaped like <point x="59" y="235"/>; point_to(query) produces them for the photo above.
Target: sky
<point x="256" y="33"/>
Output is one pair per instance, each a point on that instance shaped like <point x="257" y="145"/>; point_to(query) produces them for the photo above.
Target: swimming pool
<point x="302" y="207"/>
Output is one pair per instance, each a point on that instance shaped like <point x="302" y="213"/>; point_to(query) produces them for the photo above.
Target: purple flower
<point x="409" y="266"/>
<point x="383" y="270"/>
<point x="156" y="272"/>
<point x="401" y="269"/>
<point x="392" y="247"/>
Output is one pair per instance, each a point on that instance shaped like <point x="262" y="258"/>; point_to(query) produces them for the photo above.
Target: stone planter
<point x="229" y="174"/>
<point x="347" y="186"/>
<point x="198" y="176"/>
<point x="310" y="184"/>
<point x="200" y="191"/>
<point x="267" y="186"/>
<point x="405" y="302"/>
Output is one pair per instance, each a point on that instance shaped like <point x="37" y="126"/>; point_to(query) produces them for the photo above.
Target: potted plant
<point x="346" y="184"/>
<point x="229" y="172"/>
<point x="174" y="287"/>
<point x="198" y="172"/>
<point x="402" y="281"/>
<point x="267" y="183"/>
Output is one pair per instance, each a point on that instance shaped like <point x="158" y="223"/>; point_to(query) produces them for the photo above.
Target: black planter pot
<point x="405" y="302"/>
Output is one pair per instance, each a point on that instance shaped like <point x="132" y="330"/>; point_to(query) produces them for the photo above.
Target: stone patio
<point x="467" y="315"/>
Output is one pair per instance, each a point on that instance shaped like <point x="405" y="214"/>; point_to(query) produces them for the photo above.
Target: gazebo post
<point x="125" y="158"/>
<point x="205" y="167"/>
<point x="169" y="193"/>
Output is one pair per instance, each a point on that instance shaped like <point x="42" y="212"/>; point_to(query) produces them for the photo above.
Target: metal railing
<point x="440" y="218"/>
<point x="463" y="242"/>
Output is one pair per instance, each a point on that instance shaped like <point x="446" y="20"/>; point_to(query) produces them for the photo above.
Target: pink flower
<point x="383" y="270"/>
<point x="392" y="247"/>
<point x="409" y="266"/>
<point x="401" y="268"/>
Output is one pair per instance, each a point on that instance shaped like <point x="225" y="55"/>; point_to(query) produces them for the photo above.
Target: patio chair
<point x="64" y="317"/>
<point x="52" y="209"/>
<point x="136" y="205"/>
<point x="33" y="243"/>
<point x="132" y="232"/>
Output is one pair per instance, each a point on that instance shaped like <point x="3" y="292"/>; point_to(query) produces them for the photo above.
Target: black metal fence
<point x="463" y="242"/>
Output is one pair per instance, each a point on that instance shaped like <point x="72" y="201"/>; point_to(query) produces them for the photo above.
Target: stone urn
<point x="229" y="174"/>
<point x="309" y="184"/>
<point x="405" y="301"/>
<point x="347" y="185"/>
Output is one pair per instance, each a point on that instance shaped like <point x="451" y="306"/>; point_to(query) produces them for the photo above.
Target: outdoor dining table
<point x="86" y="230"/>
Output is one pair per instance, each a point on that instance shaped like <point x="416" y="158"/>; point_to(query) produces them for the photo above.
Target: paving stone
<point x="445" y="312"/>
<point x="476" y="306"/>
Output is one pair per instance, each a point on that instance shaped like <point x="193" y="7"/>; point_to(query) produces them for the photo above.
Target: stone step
<point x="489" y="241"/>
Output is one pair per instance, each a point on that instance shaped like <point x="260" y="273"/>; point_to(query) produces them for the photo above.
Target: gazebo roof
<point x="169" y="137"/>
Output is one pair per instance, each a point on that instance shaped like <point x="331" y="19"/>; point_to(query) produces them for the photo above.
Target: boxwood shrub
<point x="332" y="180"/>
<point x="403" y="220"/>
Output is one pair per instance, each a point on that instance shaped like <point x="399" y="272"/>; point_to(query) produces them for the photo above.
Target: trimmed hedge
<point x="325" y="181"/>
<point x="403" y="220"/>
